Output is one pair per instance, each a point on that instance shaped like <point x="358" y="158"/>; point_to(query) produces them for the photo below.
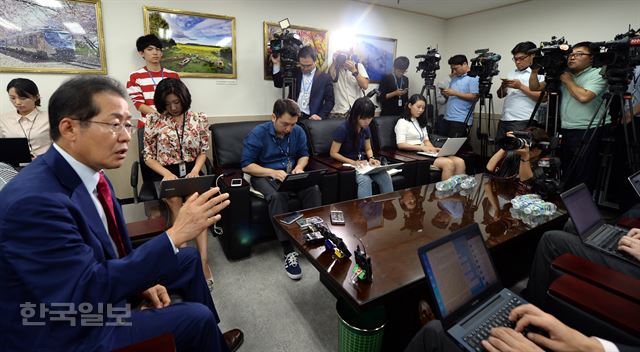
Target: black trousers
<point x="279" y="201"/>
<point x="586" y="169"/>
<point x="452" y="128"/>
<point x="432" y="338"/>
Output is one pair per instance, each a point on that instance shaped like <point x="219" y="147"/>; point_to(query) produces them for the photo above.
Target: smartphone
<point x="291" y="218"/>
<point x="236" y="182"/>
<point x="337" y="217"/>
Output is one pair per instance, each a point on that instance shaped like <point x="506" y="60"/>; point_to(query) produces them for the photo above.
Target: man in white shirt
<point x="519" y="100"/>
<point x="350" y="80"/>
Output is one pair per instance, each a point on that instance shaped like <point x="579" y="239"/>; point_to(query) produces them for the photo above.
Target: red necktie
<point x="104" y="196"/>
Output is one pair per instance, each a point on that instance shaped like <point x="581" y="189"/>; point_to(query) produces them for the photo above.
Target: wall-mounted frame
<point x="53" y="36"/>
<point x="195" y="44"/>
<point x="376" y="54"/>
<point x="318" y="38"/>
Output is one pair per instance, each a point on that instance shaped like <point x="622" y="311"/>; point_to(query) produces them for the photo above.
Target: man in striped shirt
<point x="142" y="83"/>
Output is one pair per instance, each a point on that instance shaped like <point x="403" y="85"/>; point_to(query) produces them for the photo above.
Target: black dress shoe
<point x="233" y="338"/>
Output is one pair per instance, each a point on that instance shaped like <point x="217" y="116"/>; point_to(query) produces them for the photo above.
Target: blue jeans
<point x="364" y="183"/>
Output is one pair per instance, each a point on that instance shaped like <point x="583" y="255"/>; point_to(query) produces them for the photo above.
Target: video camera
<point x="429" y="64"/>
<point x="551" y="57"/>
<point x="620" y="56"/>
<point x="520" y="139"/>
<point x="485" y="66"/>
<point x="341" y="58"/>
<point x="549" y="183"/>
<point x="286" y="45"/>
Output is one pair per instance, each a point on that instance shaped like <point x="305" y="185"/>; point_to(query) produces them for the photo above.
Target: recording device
<point x="332" y="240"/>
<point x="312" y="234"/>
<point x="484" y="66"/>
<point x="363" y="270"/>
<point x="236" y="182"/>
<point x="551" y="57"/>
<point x="286" y="45"/>
<point x="341" y="58"/>
<point x="519" y="140"/>
<point x="549" y="183"/>
<point x="429" y="64"/>
<point x="619" y="57"/>
<point x="337" y="217"/>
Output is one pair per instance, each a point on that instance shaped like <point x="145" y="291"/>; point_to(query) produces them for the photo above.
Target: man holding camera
<point x="462" y="92"/>
<point x="582" y="89"/>
<point x="519" y="100"/>
<point x="519" y="154"/>
<point x="350" y="80"/>
<point x="394" y="88"/>
<point x="313" y="89"/>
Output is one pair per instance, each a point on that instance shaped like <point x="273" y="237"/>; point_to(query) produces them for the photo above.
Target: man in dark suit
<point x="394" y="88"/>
<point x="68" y="273"/>
<point x="313" y="88"/>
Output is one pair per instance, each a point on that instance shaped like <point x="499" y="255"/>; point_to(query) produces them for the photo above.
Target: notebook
<point x="590" y="225"/>
<point x="470" y="299"/>
<point x="450" y="147"/>
<point x="294" y="182"/>
<point x="15" y="151"/>
<point x="370" y="170"/>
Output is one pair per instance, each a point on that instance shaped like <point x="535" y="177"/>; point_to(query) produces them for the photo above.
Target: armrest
<point x="599" y="302"/>
<point x="134" y="180"/>
<point x="599" y="275"/>
<point x="147" y="228"/>
<point x="332" y="163"/>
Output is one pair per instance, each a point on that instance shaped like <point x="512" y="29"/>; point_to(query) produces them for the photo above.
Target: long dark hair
<point x="406" y="114"/>
<point x="171" y="86"/>
<point x="362" y="108"/>
<point x="25" y="88"/>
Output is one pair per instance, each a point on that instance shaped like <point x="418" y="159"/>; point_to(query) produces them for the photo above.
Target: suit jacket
<point x="54" y="249"/>
<point x="390" y="106"/>
<point x="321" y="99"/>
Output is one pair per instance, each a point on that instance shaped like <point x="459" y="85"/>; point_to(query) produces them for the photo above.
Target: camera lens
<point x="511" y="143"/>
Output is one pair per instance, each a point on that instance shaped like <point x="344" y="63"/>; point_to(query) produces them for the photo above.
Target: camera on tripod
<point x="620" y="56"/>
<point x="286" y="45"/>
<point x="551" y="57"/>
<point x="484" y="66"/>
<point x="520" y="139"/>
<point x="429" y="64"/>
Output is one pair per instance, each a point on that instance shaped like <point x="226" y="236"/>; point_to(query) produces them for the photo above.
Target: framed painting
<point x="318" y="38"/>
<point x="376" y="54"/>
<point x="52" y="36"/>
<point x="194" y="44"/>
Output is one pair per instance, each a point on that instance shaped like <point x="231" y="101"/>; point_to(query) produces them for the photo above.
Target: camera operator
<point x="350" y="80"/>
<point x="582" y="89"/>
<point x="519" y="100"/>
<point x="462" y="91"/>
<point x="522" y="162"/>
<point x="313" y="88"/>
<point x="394" y="88"/>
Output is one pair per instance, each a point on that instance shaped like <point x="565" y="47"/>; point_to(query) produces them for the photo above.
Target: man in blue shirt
<point x="273" y="150"/>
<point x="462" y="92"/>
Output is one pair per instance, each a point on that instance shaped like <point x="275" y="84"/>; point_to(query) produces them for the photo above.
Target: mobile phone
<point x="302" y="222"/>
<point x="236" y="182"/>
<point x="289" y="219"/>
<point x="313" y="237"/>
<point x="337" y="217"/>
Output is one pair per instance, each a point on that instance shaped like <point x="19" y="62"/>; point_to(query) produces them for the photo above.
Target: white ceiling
<point x="445" y="9"/>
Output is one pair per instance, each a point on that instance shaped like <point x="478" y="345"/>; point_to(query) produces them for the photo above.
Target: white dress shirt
<point x="33" y="126"/>
<point x="346" y="90"/>
<point x="517" y="105"/>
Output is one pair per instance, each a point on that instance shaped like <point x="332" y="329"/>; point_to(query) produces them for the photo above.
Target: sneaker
<point x="292" y="267"/>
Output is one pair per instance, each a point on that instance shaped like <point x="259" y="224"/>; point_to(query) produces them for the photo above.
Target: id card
<point x="399" y="102"/>
<point x="183" y="169"/>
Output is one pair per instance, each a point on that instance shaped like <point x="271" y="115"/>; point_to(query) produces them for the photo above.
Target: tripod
<point x="486" y="107"/>
<point x="552" y="116"/>
<point x="432" y="102"/>
<point x="288" y="79"/>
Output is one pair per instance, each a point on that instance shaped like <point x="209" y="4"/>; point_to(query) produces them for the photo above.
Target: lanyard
<point x="399" y="86"/>
<point x="180" y="137"/>
<point x="419" y="131"/>
<point x="153" y="80"/>
<point x="285" y="154"/>
<point x="28" y="136"/>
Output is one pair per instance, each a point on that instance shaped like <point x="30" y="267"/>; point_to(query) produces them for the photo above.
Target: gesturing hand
<point x="157" y="296"/>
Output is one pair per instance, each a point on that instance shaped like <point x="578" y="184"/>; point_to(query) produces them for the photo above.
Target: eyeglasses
<point x="519" y="58"/>
<point x="116" y="127"/>
<point x="578" y="55"/>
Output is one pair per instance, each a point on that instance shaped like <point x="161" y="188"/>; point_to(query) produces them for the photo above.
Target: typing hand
<point x="630" y="244"/>
<point x="278" y="175"/>
<point x="507" y="340"/>
<point x="193" y="173"/>
<point x="297" y="170"/>
<point x="157" y="296"/>
<point x="361" y="163"/>
<point x="197" y="213"/>
<point x="430" y="149"/>
<point x="169" y="177"/>
<point x="634" y="233"/>
<point x="374" y="162"/>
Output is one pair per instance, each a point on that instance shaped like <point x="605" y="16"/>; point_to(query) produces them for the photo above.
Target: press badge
<point x="289" y="166"/>
<point x="183" y="169"/>
<point x="400" y="102"/>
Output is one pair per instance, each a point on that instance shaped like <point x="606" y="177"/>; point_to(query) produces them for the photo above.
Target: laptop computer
<point x="450" y="147"/>
<point x="470" y="299"/>
<point x="183" y="187"/>
<point x="635" y="182"/>
<point x="462" y="279"/>
<point x="590" y="225"/>
<point x="15" y="151"/>
<point x="294" y="182"/>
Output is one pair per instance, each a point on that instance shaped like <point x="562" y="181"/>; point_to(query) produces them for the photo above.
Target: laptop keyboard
<point x="6" y="174"/>
<point x="608" y="238"/>
<point x="499" y="318"/>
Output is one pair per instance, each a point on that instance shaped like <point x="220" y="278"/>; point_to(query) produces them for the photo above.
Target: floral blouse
<point x="163" y="138"/>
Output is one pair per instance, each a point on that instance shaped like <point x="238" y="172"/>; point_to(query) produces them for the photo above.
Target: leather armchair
<point x="246" y="220"/>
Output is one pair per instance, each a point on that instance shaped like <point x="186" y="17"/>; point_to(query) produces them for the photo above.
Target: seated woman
<point x="175" y="145"/>
<point x="352" y="145"/>
<point x="26" y="121"/>
<point x="411" y="134"/>
<point x="522" y="162"/>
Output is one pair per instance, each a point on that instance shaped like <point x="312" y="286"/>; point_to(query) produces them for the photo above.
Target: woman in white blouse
<point x="411" y="135"/>
<point x="26" y="120"/>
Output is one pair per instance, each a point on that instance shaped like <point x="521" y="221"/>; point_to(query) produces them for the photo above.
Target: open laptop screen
<point x="583" y="210"/>
<point x="459" y="270"/>
<point x="635" y="182"/>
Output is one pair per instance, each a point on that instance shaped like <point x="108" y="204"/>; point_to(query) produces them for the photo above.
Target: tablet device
<point x="184" y="187"/>
<point x="294" y="182"/>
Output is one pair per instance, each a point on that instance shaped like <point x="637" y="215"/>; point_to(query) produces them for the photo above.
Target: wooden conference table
<point x="393" y="226"/>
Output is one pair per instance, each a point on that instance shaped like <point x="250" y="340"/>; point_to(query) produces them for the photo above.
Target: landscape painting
<point x="52" y="36"/>
<point x="376" y="54"/>
<point x="194" y="44"/>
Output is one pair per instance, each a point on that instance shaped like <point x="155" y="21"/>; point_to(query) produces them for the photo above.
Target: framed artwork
<point x="52" y="36"/>
<point x="195" y="44"/>
<point x="376" y="54"/>
<point x="318" y="38"/>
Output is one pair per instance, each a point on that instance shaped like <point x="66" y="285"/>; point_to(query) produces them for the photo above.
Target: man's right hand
<point x="278" y="175"/>
<point x="196" y="215"/>
<point x="169" y="177"/>
<point x="275" y="59"/>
